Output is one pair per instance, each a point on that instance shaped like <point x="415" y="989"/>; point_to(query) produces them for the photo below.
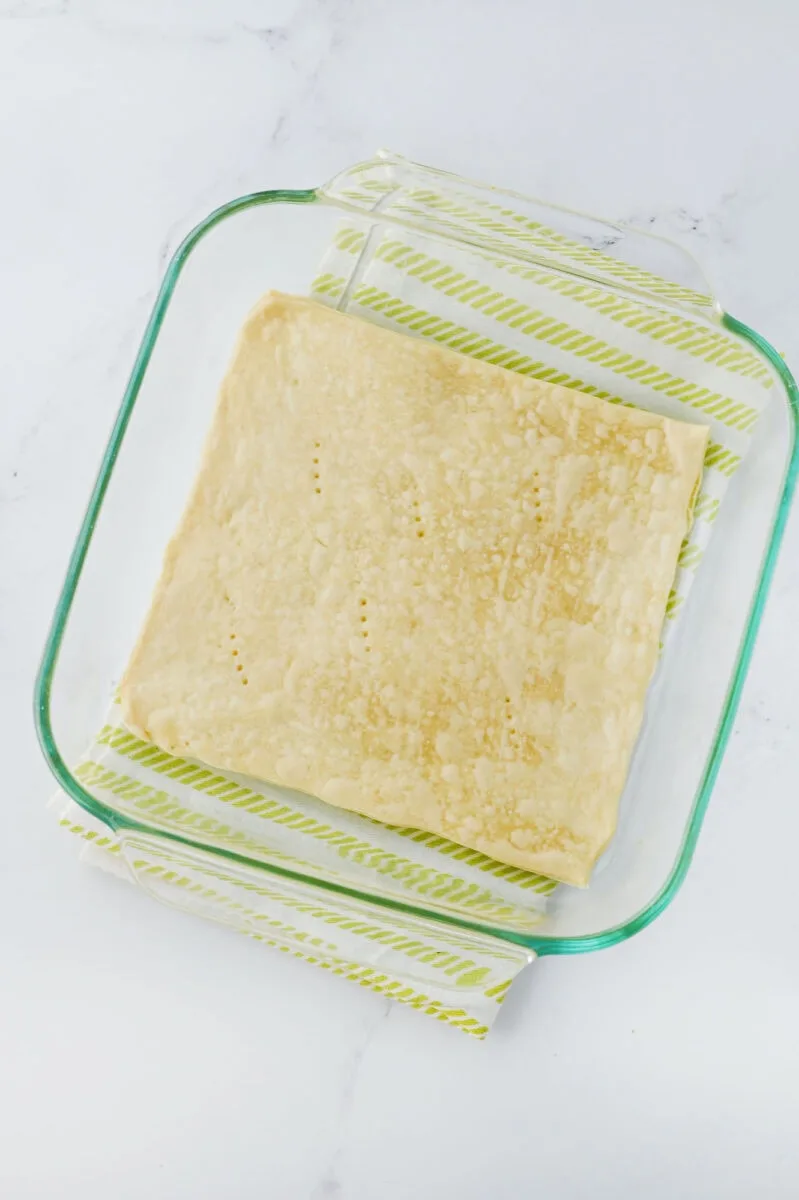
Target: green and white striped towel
<point x="434" y="257"/>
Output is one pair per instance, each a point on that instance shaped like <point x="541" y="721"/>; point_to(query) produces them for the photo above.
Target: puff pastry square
<point x="418" y="586"/>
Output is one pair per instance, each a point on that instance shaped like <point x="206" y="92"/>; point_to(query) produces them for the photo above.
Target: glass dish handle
<point x="501" y="222"/>
<point x="462" y="973"/>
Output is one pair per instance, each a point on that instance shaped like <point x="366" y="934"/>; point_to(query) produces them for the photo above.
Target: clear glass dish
<point x="278" y="239"/>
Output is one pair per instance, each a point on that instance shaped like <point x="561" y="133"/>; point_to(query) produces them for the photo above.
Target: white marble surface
<point x="145" y="1054"/>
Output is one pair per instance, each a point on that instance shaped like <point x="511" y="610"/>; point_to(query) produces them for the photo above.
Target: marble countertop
<point x="668" y="1066"/>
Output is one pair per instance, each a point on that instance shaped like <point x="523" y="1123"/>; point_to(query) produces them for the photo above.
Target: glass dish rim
<point x="539" y="944"/>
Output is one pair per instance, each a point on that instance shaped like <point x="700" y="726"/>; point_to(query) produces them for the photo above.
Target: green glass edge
<point x="540" y="945"/>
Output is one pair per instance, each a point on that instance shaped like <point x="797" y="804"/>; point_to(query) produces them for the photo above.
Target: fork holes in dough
<point x="513" y="744"/>
<point x="417" y="517"/>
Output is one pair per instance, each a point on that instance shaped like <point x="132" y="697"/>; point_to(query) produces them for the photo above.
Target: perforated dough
<point x="419" y="586"/>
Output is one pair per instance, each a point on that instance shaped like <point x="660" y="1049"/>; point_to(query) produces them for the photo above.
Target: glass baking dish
<point x="284" y="240"/>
